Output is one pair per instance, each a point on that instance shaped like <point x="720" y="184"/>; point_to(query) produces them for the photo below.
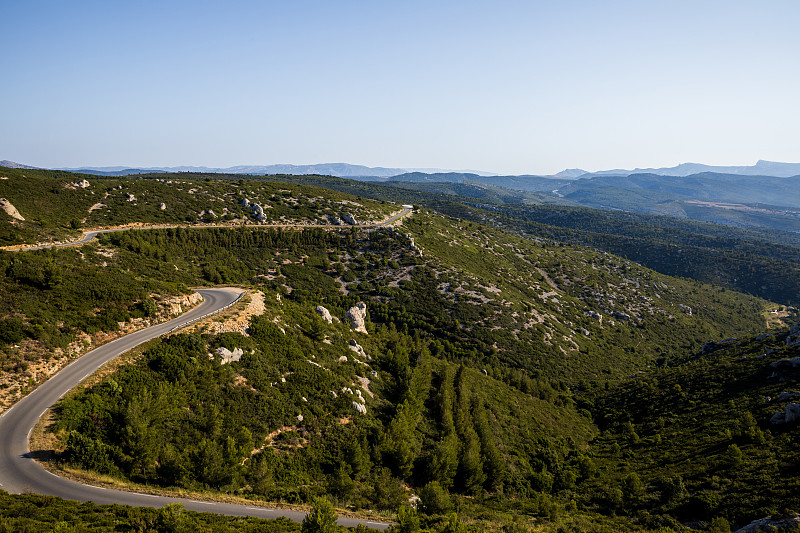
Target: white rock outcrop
<point x="130" y="197"/>
<point x="9" y="208"/>
<point x="325" y="314"/>
<point x="350" y="219"/>
<point x="83" y="184"/>
<point x="360" y="407"/>
<point x="227" y="356"/>
<point x="162" y="206"/>
<point x="357" y="315"/>
<point x="772" y="524"/>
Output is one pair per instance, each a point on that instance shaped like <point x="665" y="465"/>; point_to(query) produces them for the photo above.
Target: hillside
<point x="56" y="205"/>
<point x="458" y="352"/>
<point x="702" y="437"/>
<point x="487" y="379"/>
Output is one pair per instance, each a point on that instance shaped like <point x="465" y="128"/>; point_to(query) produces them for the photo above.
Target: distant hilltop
<point x="342" y="170"/>
<point x="761" y="168"/>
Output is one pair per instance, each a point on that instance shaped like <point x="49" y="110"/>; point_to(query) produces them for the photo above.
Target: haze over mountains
<point x="347" y="170"/>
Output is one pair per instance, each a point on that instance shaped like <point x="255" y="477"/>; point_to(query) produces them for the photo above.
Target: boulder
<point x="793" y="339"/>
<point x="357" y="315"/>
<point x="784" y="396"/>
<point x="162" y="206"/>
<point x="83" y="184"/>
<point x="360" y="407"/>
<point x="244" y="202"/>
<point x="786" y="364"/>
<point x="325" y="314"/>
<point x="226" y="356"/>
<point x="790" y="415"/>
<point x="350" y="219"/>
<point x="788" y="523"/>
<point x="9" y="208"/>
<point x="130" y="197"/>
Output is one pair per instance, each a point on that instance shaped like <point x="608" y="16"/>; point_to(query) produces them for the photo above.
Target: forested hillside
<point x="56" y="205"/>
<point x="521" y="383"/>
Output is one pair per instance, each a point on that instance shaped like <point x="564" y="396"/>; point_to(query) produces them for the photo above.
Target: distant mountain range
<point x="346" y="170"/>
<point x="342" y="170"/>
<point x="761" y="168"/>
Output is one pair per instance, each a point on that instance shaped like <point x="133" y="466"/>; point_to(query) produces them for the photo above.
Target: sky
<point x="503" y="86"/>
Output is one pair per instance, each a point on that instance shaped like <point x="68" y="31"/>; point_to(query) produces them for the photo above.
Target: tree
<point x="321" y="519"/>
<point x="435" y="499"/>
<point x="407" y="520"/>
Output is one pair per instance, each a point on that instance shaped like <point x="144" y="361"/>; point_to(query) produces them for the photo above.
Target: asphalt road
<point x="19" y="472"/>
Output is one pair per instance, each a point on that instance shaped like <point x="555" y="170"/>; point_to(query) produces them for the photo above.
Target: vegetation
<point x="505" y="381"/>
<point x="46" y="514"/>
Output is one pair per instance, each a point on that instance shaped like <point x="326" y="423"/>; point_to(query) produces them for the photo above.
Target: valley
<point x="508" y="370"/>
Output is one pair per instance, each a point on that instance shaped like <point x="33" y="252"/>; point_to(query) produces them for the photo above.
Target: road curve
<point x="19" y="472"/>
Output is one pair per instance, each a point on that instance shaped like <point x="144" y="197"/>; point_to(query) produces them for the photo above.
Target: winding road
<point x="92" y="234"/>
<point x="20" y="473"/>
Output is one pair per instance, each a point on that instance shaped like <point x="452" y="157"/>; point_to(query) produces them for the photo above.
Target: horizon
<point x="510" y="88"/>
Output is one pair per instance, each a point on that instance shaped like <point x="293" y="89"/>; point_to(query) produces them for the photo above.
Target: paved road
<point x="20" y="473"/>
<point x="91" y="235"/>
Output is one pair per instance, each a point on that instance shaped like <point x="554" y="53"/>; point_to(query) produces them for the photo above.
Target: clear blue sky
<point x="512" y="87"/>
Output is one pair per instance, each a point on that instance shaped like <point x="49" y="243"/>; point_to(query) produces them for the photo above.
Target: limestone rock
<point x="9" y="208"/>
<point x="357" y="316"/>
<point x="226" y="356"/>
<point x="789" y="415"/>
<point x="787" y="523"/>
<point x="130" y="197"/>
<point x="162" y="206"/>
<point x="325" y="314"/>
<point x="794" y="336"/>
<point x="786" y="364"/>
<point x="350" y="219"/>
<point x="360" y="407"/>
<point x="784" y="396"/>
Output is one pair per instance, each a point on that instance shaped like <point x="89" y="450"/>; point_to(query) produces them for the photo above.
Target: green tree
<point x="407" y="520"/>
<point x="321" y="519"/>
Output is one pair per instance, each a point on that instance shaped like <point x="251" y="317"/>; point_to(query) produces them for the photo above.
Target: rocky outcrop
<point x="258" y="212"/>
<point x="130" y="197"/>
<point x="594" y="314"/>
<point x="793" y="339"/>
<point x="686" y="309"/>
<point x="176" y="305"/>
<point x="788" y="523"/>
<point x="360" y="407"/>
<point x="357" y="315"/>
<point x="350" y="219"/>
<point x="162" y="206"/>
<point x="83" y="184"/>
<point x="785" y="396"/>
<point x="357" y="348"/>
<point x="325" y="314"/>
<point x="9" y="208"/>
<point x="786" y="364"/>
<point x="788" y="416"/>
<point x="335" y="221"/>
<point x="227" y="356"/>
<point x="208" y="213"/>
<point x="244" y="202"/>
